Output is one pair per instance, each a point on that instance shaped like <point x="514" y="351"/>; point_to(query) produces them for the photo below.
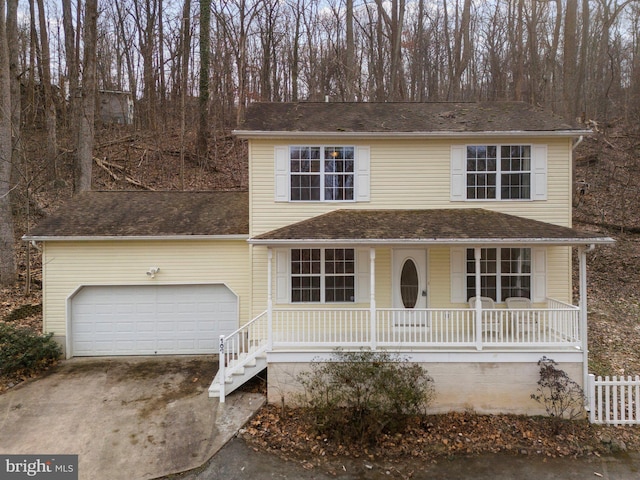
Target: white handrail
<point x="240" y="347"/>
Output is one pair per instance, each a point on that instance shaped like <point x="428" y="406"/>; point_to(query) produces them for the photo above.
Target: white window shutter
<point x="363" y="279"/>
<point x="539" y="273"/>
<point x="282" y="276"/>
<point x="458" y="275"/>
<point x="458" y="173"/>
<point x="363" y="174"/>
<point x="281" y="174"/>
<point x="538" y="172"/>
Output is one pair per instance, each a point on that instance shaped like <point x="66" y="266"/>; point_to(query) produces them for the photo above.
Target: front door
<point x="409" y="278"/>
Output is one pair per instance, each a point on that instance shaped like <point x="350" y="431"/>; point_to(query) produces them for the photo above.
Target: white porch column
<point x="582" y="254"/>
<point x="477" y="253"/>
<point x="372" y="297"/>
<point x="269" y="299"/>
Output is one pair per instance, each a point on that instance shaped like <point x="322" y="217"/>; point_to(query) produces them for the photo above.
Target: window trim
<point x="499" y="275"/>
<point x="323" y="275"/>
<point x="361" y="174"/>
<point x="322" y="174"/>
<point x="498" y="172"/>
<point x="537" y="171"/>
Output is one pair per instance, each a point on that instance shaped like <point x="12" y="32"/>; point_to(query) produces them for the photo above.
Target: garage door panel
<point x="151" y="319"/>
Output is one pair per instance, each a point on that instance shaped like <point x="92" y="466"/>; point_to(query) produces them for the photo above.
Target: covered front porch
<point x="406" y="313"/>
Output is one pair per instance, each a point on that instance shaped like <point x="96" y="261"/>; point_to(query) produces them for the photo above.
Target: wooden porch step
<point x="239" y="378"/>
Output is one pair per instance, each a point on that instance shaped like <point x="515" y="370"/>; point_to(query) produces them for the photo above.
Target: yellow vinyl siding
<point x="439" y="281"/>
<point x="68" y="265"/>
<point x="408" y="173"/>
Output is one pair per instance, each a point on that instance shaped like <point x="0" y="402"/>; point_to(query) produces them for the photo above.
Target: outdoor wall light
<point x="152" y="271"/>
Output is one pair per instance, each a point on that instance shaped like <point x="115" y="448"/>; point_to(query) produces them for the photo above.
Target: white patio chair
<point x="525" y="323"/>
<point x="490" y="321"/>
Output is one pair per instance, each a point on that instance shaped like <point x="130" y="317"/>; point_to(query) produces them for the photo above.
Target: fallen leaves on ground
<point x="440" y="436"/>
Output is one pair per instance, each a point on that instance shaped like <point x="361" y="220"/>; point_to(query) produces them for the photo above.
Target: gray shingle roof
<point x="148" y="214"/>
<point x="425" y="226"/>
<point x="401" y="117"/>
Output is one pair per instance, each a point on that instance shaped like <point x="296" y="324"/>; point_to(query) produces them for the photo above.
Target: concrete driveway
<point x="126" y="418"/>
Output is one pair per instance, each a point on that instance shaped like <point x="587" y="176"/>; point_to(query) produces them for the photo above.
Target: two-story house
<point x="436" y="230"/>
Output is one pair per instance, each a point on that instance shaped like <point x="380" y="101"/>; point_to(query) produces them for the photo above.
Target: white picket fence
<point x="614" y="401"/>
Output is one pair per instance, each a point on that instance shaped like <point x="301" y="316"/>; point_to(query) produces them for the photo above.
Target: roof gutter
<point x="89" y="238"/>
<point x="437" y="241"/>
<point x="249" y="134"/>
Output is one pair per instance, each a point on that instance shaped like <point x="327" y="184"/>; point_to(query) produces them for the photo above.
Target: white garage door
<point x="149" y="320"/>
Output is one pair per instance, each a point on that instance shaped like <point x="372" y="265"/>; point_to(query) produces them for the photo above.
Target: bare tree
<point x="569" y="58"/>
<point x="205" y="62"/>
<point x="145" y="16"/>
<point x="394" y="24"/>
<point x="7" y="249"/>
<point x="14" y="71"/>
<point x="128" y="40"/>
<point x="50" y="116"/>
<point x="350" y="56"/>
<point x="72" y="63"/>
<point x="86" y="133"/>
<point x="185" y="43"/>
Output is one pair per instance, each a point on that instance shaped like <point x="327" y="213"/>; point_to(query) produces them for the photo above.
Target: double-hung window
<point x="498" y="172"/>
<point x="493" y="172"/>
<point x="322" y="173"/>
<point x="504" y="273"/>
<point x="322" y="275"/>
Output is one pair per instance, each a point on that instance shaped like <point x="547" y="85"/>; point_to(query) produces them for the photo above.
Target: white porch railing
<point x="557" y="325"/>
<point x="326" y="327"/>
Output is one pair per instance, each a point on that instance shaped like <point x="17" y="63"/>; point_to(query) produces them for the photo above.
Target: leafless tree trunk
<point x="517" y="48"/>
<point x="394" y="24"/>
<point x="127" y="50"/>
<point x="184" y="80"/>
<point x="569" y="59"/>
<point x="146" y="14"/>
<point x="205" y="62"/>
<point x="14" y="72"/>
<point x="350" y="58"/>
<point x="72" y="65"/>
<point x="87" y="113"/>
<point x="163" y="83"/>
<point x="296" y="8"/>
<point x="7" y="249"/>
<point x="49" y="104"/>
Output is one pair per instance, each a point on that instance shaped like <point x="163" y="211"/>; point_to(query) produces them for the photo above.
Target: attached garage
<point x="150" y="319"/>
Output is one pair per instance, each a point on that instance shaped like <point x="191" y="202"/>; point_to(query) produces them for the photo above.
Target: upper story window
<point x="321" y="173"/>
<point x="498" y="172"/>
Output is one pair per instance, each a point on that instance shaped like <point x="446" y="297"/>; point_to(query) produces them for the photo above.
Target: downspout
<point x="578" y="142"/>
<point x="269" y="299"/>
<point x="582" y="251"/>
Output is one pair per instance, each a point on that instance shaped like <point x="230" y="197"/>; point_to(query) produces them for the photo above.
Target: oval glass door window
<point x="409" y="284"/>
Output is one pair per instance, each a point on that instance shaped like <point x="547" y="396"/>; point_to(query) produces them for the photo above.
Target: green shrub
<point x="24" y="352"/>
<point x="356" y="396"/>
<point x="561" y="396"/>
